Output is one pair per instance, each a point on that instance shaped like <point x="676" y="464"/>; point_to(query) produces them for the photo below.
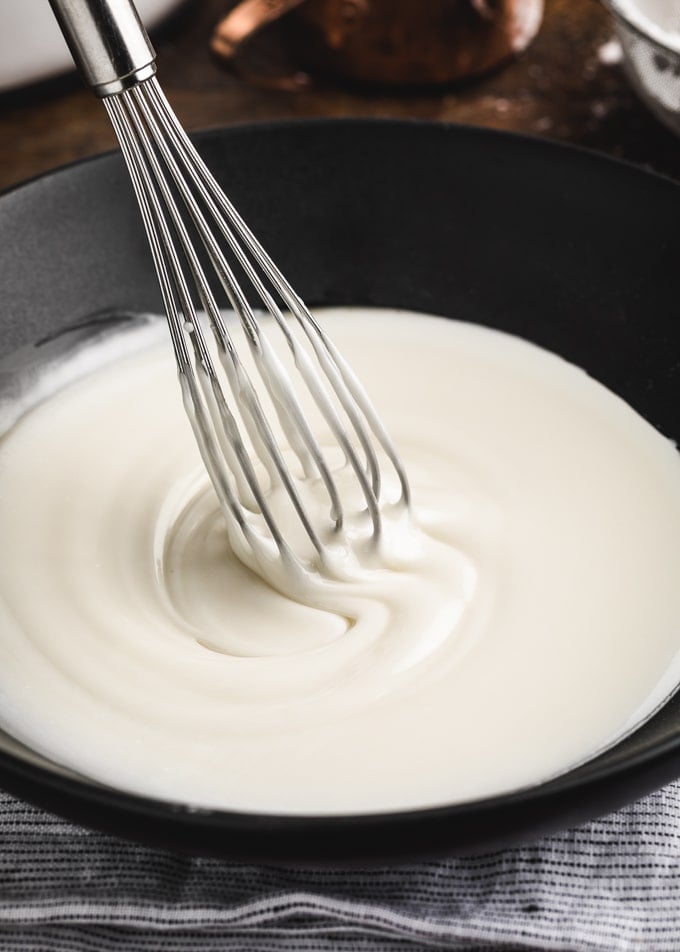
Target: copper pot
<point x="402" y="42"/>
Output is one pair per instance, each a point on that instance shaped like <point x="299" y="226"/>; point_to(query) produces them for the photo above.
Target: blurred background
<point x="568" y="84"/>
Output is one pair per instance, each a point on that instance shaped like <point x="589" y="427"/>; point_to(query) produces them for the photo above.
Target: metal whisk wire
<point x="180" y="201"/>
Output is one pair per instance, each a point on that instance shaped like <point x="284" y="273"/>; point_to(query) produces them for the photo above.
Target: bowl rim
<point x="634" y="19"/>
<point x="664" y="755"/>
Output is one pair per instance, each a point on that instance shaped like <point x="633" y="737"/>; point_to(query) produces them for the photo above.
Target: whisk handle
<point x="108" y="43"/>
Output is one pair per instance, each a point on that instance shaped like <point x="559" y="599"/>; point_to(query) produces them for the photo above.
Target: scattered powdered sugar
<point x="544" y="124"/>
<point x="600" y="108"/>
<point x="610" y="53"/>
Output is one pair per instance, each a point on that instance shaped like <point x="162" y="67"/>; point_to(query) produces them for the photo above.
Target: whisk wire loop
<point x="178" y="196"/>
<point x="287" y="407"/>
<point x="208" y="437"/>
<point x="344" y="382"/>
<point x="162" y="250"/>
<point x="283" y="397"/>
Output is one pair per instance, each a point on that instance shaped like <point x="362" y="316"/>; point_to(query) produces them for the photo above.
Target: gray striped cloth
<point x="613" y="884"/>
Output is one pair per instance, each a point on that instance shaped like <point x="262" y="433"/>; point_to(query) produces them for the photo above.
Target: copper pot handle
<point x="246" y="19"/>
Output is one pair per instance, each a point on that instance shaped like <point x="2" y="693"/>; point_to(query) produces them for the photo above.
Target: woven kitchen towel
<point x="613" y="884"/>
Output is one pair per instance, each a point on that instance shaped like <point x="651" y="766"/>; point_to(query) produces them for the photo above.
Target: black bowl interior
<point x="575" y="252"/>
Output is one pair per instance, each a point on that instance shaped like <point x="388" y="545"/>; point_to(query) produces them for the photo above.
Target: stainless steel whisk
<point x="180" y="202"/>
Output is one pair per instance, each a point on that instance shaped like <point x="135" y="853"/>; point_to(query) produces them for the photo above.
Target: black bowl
<point x="575" y="252"/>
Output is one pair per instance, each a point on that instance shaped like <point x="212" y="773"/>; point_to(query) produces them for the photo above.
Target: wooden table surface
<point x="561" y="88"/>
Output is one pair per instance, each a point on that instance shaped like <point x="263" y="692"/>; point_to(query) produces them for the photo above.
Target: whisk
<point x="189" y="220"/>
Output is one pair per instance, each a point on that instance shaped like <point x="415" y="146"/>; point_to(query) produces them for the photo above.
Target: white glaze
<point x="534" y="620"/>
